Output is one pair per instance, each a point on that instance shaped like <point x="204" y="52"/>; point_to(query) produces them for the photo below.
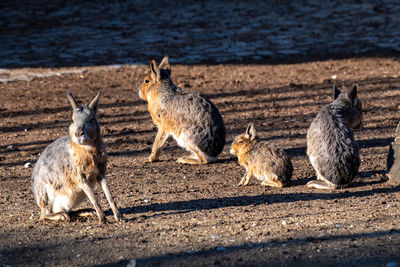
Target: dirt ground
<point x="197" y="215"/>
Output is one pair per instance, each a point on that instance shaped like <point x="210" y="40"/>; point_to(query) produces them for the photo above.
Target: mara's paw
<point x="153" y="158"/>
<point x="188" y="160"/>
<point x="119" y="218"/>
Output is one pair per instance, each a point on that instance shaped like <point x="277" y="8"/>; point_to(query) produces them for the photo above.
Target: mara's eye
<point x="146" y="81"/>
<point x="240" y="142"/>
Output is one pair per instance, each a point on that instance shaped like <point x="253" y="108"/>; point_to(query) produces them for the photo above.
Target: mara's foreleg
<point x="90" y="194"/>
<point x="104" y="185"/>
<point x="160" y="140"/>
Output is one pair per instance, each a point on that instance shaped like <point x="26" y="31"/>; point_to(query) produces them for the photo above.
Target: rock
<point x="393" y="159"/>
<point x="27" y="165"/>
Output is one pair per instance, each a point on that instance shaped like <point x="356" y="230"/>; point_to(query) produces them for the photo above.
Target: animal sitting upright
<point x="331" y="147"/>
<point x="190" y="118"/>
<point x="69" y="168"/>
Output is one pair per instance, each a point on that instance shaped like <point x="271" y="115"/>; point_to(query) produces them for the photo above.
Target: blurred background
<point x="82" y="33"/>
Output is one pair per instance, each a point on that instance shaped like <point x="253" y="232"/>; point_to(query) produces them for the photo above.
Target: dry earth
<point x="196" y="215"/>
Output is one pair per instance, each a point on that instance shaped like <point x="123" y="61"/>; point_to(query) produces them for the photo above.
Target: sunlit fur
<point x="261" y="159"/>
<point x="331" y="147"/>
<point x="190" y="118"/>
<point x="69" y="168"/>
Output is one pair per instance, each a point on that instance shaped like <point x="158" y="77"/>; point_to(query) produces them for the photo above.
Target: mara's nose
<point x="79" y="132"/>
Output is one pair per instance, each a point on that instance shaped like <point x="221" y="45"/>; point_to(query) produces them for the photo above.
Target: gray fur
<point x="190" y="118"/>
<point x="331" y="147"/>
<point x="270" y="158"/>
<point x="198" y="117"/>
<point x="70" y="167"/>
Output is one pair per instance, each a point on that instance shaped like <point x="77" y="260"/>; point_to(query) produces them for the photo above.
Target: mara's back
<point x="54" y="167"/>
<point x="195" y="116"/>
<point x="331" y="145"/>
<point x="268" y="158"/>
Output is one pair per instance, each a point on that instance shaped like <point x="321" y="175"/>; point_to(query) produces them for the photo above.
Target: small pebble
<point x="27" y="165"/>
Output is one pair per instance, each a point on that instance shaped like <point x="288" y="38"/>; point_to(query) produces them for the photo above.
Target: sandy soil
<point x="196" y="215"/>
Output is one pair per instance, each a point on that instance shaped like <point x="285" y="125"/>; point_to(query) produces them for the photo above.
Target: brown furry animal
<point x="190" y="118"/>
<point x="263" y="160"/>
<point x="69" y="168"/>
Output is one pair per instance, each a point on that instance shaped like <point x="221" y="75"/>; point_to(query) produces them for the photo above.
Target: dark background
<point x="79" y="33"/>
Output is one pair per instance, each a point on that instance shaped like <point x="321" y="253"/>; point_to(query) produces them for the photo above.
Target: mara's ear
<point x="154" y="71"/>
<point x="251" y="131"/>
<point x="94" y="104"/>
<point x="165" y="65"/>
<point x="336" y="92"/>
<point x="352" y="93"/>
<point x="72" y="100"/>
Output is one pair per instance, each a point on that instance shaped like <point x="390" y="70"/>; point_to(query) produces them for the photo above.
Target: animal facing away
<point x="190" y="118"/>
<point x="263" y="160"/>
<point x="68" y="169"/>
<point x="331" y="147"/>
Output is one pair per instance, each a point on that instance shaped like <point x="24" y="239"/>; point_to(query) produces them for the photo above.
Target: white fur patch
<point x="75" y="139"/>
<point x="185" y="142"/>
<point x="182" y="140"/>
<point x="312" y="160"/>
<point x="61" y="203"/>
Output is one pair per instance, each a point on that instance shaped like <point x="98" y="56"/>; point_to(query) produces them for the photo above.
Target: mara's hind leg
<point x="191" y="160"/>
<point x="319" y="177"/>
<point x="58" y="216"/>
<point x="198" y="157"/>
<point x="273" y="181"/>
<point x="321" y="183"/>
<point x="42" y="206"/>
<point x="85" y="213"/>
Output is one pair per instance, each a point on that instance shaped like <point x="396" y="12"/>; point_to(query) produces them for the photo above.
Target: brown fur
<point x="68" y="169"/>
<point x="89" y="161"/>
<point x="262" y="160"/>
<point x="190" y="118"/>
